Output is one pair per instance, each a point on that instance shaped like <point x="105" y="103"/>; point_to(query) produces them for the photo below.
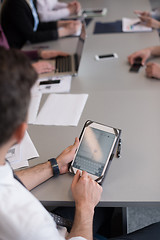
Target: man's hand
<point x="86" y="192"/>
<point x="42" y="67"/>
<point x="150" y="22"/>
<point x="47" y="54"/>
<point x="153" y="70"/>
<point x="67" y="156"/>
<point x="144" y="54"/>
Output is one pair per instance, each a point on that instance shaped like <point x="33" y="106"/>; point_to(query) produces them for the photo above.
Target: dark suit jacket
<point x="17" y="23"/>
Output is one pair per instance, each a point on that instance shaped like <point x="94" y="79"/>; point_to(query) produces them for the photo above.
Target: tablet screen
<point x="94" y="150"/>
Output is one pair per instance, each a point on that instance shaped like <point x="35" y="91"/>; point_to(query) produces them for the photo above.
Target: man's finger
<point x="76" y="178"/>
<point x="84" y="174"/>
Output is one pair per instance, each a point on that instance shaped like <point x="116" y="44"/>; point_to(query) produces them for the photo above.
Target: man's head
<point x="16" y="79"/>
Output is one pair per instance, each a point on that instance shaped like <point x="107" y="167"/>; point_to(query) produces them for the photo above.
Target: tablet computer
<point x="96" y="149"/>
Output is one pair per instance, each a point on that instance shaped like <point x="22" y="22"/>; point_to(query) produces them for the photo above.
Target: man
<point x="22" y="215"/>
<point x="152" y="69"/>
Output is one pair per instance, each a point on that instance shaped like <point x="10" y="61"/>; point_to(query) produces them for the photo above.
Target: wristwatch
<point x="54" y="166"/>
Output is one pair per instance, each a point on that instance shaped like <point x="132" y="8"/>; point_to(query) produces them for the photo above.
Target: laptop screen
<point x="80" y="43"/>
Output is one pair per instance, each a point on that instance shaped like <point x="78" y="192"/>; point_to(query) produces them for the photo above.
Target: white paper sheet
<point x="34" y="106"/>
<point x="19" y="154"/>
<point x="128" y="25"/>
<point x="62" y="109"/>
<point x="63" y="86"/>
<point x="27" y="148"/>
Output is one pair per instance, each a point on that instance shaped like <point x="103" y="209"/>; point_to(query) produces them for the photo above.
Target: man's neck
<point x="3" y="151"/>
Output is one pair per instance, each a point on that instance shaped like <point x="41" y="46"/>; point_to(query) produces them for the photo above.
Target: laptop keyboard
<point x="63" y="64"/>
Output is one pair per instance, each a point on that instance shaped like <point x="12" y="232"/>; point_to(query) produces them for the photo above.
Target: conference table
<point x="118" y="98"/>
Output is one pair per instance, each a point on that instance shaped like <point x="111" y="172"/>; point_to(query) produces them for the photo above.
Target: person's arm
<point x="46" y="14"/>
<point x="155" y="13"/>
<point x="32" y="54"/>
<point x="34" y="176"/>
<point x="145" y="54"/>
<point x="86" y="193"/>
<point x="60" y="5"/>
<point x="155" y="51"/>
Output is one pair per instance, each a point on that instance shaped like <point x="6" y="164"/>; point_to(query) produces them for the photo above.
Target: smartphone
<point x="96" y="146"/>
<point x="136" y="65"/>
<point x="106" y="56"/>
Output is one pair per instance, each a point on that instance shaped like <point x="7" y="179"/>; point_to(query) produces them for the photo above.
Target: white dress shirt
<point x="51" y="10"/>
<point x="22" y="216"/>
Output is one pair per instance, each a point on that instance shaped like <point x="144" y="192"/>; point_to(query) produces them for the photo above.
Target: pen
<point x="50" y="82"/>
<point x="135" y="24"/>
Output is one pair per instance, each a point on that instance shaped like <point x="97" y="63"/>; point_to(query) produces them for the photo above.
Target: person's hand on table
<point x="42" y="67"/>
<point x="67" y="156"/>
<point x="47" y="54"/>
<point x="144" y="54"/>
<point x="69" y="28"/>
<point x="86" y="192"/>
<point x="153" y="70"/>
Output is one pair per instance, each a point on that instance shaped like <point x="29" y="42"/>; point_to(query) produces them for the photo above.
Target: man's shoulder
<point x="23" y="214"/>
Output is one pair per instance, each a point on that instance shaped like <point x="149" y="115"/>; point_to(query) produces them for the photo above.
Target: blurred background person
<point x="152" y="68"/>
<point x="25" y="26"/>
<point x="52" y="10"/>
<point x="39" y="66"/>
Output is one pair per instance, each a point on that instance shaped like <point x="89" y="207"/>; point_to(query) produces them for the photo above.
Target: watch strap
<point x="55" y="167"/>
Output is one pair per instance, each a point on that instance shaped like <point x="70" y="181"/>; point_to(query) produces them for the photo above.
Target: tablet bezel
<point x="105" y="129"/>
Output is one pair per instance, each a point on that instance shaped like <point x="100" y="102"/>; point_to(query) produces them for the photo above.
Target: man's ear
<point x="20" y="131"/>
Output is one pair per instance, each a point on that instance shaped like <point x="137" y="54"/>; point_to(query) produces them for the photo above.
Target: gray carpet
<point x="139" y="217"/>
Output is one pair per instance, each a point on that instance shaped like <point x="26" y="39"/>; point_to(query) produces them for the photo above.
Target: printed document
<point x="134" y="25"/>
<point x="19" y="154"/>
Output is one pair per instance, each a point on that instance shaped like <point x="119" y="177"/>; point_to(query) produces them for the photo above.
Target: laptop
<point x="68" y="65"/>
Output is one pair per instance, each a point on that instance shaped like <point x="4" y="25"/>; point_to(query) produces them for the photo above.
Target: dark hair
<point x="16" y="79"/>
